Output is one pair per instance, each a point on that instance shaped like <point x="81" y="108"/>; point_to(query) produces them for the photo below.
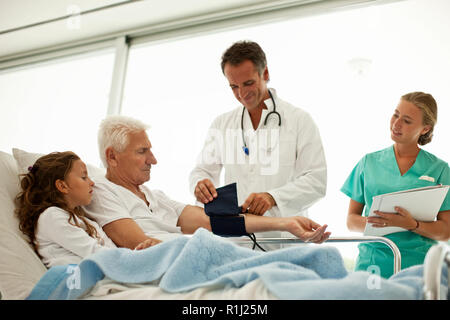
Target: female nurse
<point x="399" y="167"/>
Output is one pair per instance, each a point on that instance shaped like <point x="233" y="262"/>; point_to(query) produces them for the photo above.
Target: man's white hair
<point x="114" y="132"/>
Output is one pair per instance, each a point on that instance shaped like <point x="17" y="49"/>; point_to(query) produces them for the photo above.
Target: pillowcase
<point x="20" y="267"/>
<point x="9" y="188"/>
<point x="26" y="159"/>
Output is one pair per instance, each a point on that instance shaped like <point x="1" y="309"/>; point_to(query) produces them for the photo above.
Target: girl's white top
<point x="60" y="242"/>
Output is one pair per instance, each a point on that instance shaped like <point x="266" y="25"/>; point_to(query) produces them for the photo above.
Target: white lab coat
<point x="287" y="161"/>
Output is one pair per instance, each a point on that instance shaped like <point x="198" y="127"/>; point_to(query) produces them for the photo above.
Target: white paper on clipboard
<point x="422" y="203"/>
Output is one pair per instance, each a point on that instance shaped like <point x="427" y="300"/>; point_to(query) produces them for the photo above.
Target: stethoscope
<point x="274" y="111"/>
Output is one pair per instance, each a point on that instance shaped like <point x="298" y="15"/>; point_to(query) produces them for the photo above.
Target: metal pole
<point x="386" y="241"/>
<point x="436" y="257"/>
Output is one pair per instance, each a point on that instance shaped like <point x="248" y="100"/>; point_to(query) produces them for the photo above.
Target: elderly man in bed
<point x="130" y="213"/>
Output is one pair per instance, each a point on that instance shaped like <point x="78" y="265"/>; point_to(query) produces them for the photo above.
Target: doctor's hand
<point x="307" y="230"/>
<point x="205" y="191"/>
<point x="258" y="203"/>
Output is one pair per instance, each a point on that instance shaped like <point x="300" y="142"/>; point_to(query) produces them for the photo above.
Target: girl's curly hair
<point x="39" y="192"/>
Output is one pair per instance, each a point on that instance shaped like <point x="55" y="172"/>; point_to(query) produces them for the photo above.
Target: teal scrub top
<point x="378" y="173"/>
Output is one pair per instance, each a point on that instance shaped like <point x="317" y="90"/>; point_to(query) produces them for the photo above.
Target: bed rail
<point x="434" y="260"/>
<point x="386" y="241"/>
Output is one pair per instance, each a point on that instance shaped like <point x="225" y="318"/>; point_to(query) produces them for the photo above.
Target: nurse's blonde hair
<point x="114" y="132"/>
<point x="426" y="103"/>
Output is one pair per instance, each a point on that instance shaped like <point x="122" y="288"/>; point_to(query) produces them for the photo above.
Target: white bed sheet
<point x="107" y="289"/>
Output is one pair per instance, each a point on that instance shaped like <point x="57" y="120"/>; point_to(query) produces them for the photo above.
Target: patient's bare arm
<point x="301" y="227"/>
<point x="194" y="217"/>
<point x="125" y="233"/>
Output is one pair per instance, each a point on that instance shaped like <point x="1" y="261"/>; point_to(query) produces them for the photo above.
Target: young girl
<point x="50" y="212"/>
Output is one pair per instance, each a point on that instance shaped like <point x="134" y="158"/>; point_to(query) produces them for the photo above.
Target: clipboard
<point x="423" y="204"/>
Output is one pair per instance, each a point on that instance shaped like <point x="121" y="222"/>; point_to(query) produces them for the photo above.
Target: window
<point x="348" y="69"/>
<point x="178" y="88"/>
<point x="56" y="106"/>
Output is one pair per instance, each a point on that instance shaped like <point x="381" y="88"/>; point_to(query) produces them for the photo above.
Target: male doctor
<point x="271" y="149"/>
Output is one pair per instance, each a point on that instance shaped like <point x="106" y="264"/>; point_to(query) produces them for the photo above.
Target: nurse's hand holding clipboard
<point x="401" y="218"/>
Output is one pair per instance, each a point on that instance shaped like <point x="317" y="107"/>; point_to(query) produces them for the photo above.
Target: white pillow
<point x="9" y="188"/>
<point x="27" y="159"/>
<point x="20" y="267"/>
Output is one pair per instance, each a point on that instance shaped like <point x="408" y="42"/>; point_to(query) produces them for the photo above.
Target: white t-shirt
<point x="60" y="242"/>
<point x="111" y="202"/>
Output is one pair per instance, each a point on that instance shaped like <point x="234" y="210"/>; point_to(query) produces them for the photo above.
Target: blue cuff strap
<point x="231" y="226"/>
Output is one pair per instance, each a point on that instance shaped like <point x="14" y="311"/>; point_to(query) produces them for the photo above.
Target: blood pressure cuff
<point x="224" y="212"/>
<point x="226" y="203"/>
<point x="228" y="226"/>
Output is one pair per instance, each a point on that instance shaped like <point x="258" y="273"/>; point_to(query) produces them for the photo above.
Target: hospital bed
<point x="21" y="269"/>
<point x="437" y="257"/>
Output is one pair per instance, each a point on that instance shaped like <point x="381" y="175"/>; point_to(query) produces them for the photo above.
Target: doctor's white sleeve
<point x="309" y="181"/>
<point x="209" y="162"/>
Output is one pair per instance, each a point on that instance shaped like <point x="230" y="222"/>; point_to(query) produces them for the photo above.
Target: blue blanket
<point x="186" y="263"/>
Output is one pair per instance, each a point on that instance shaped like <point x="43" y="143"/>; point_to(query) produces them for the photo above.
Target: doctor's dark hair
<point x="245" y="50"/>
<point x="39" y="192"/>
<point x="426" y="103"/>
